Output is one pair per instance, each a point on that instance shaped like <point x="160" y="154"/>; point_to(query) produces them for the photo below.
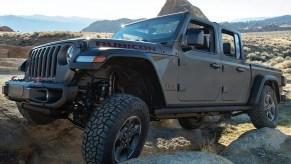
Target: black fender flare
<point x="113" y="53"/>
<point x="258" y="85"/>
<point x="109" y="53"/>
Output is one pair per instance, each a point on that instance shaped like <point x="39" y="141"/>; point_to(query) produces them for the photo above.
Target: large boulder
<point x="174" y="6"/>
<point x="180" y="158"/>
<point x="260" y="146"/>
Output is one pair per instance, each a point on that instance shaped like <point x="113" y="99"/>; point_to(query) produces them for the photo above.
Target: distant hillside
<point x="44" y="23"/>
<point x="61" y="18"/>
<point x="37" y="38"/>
<point x="249" y="19"/>
<point x="108" y="25"/>
<point x="280" y="23"/>
<point x="5" y="29"/>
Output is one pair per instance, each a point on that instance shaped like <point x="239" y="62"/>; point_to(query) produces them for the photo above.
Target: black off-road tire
<point x="108" y="122"/>
<point x="260" y="115"/>
<point x="191" y="123"/>
<point x="34" y="118"/>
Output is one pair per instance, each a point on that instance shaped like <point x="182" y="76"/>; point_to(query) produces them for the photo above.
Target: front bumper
<point x="45" y="95"/>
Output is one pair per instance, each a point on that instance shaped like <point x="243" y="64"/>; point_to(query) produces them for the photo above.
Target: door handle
<point x="239" y="69"/>
<point x="215" y="65"/>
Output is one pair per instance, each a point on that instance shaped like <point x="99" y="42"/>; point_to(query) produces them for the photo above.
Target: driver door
<point x="200" y="68"/>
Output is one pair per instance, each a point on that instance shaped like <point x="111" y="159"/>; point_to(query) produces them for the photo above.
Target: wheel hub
<point x="127" y="139"/>
<point x="270" y="107"/>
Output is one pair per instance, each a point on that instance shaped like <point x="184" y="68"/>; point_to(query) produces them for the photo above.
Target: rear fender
<point x="258" y="85"/>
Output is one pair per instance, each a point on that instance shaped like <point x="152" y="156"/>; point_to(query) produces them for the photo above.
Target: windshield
<point x="159" y="29"/>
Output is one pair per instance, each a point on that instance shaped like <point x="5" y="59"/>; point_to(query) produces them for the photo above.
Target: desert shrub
<point x="287" y="64"/>
<point x="209" y="145"/>
<point x="287" y="53"/>
<point x="247" y="49"/>
<point x="287" y="71"/>
<point x="251" y="55"/>
<point x="278" y="59"/>
<point x="38" y="38"/>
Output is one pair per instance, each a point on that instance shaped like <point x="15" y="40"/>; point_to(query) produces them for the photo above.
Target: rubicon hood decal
<point x="141" y="46"/>
<point x="124" y="45"/>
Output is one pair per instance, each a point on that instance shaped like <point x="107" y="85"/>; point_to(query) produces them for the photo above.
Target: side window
<point x="231" y="44"/>
<point x="200" y="36"/>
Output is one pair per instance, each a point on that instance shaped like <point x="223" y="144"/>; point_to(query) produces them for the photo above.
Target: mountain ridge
<point x="170" y="7"/>
<point x="59" y="23"/>
<point x="279" y="23"/>
<point x="44" y="23"/>
<point x="109" y="26"/>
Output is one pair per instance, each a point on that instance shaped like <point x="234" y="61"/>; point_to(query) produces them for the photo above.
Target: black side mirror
<point x="186" y="48"/>
<point x="244" y="55"/>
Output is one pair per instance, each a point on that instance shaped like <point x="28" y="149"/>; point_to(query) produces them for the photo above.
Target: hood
<point x="76" y="41"/>
<point x="124" y="44"/>
<point x="112" y="43"/>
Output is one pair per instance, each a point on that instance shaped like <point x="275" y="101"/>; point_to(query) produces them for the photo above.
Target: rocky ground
<point x="254" y="147"/>
<point x="216" y="142"/>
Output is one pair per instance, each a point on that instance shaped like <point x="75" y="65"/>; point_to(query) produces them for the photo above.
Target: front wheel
<point x="117" y="130"/>
<point x="266" y="112"/>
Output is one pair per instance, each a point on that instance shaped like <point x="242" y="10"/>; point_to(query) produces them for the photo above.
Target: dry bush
<point x="209" y="145"/>
<point x="38" y="38"/>
<point x="269" y="48"/>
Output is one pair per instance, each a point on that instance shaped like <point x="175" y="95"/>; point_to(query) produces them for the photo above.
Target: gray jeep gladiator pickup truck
<point x="175" y="66"/>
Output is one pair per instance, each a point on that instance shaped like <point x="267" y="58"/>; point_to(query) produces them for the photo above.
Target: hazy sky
<point x="215" y="10"/>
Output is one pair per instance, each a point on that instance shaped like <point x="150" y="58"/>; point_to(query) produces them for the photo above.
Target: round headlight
<point x="69" y="54"/>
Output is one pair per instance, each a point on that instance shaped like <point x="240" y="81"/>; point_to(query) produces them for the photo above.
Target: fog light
<point x="47" y="95"/>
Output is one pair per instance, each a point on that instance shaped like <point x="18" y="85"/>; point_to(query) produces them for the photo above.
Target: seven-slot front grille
<point x="43" y="63"/>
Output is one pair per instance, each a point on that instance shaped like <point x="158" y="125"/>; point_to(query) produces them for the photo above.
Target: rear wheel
<point x="34" y="118"/>
<point x="266" y="112"/>
<point x="117" y="130"/>
<point x="190" y="123"/>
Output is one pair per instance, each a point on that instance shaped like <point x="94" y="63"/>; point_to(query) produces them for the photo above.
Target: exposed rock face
<point x="11" y="51"/>
<point x="174" y="6"/>
<point x="4" y="53"/>
<point x="5" y="29"/>
<point x="181" y="157"/>
<point x="260" y="146"/>
<point x="19" y="142"/>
